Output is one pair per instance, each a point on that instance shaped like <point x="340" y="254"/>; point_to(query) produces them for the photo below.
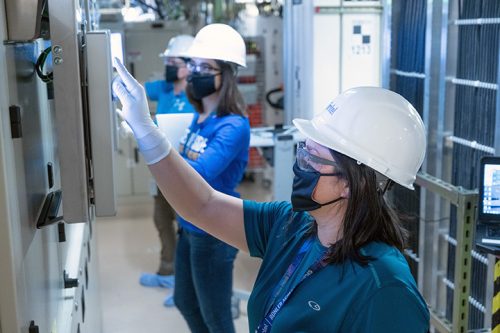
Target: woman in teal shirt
<point x="332" y="258"/>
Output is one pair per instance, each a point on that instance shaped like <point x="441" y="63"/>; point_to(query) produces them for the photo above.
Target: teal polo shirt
<point x="347" y="297"/>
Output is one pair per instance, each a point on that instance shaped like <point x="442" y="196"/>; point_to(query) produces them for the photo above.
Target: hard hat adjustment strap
<point x="387" y="186"/>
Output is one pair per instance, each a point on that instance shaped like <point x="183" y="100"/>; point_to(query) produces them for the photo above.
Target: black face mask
<point x="304" y="184"/>
<point x="171" y="73"/>
<point x="201" y="85"/>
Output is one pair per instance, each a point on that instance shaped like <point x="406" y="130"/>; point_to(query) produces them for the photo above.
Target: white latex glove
<point x="135" y="104"/>
<point x="151" y="142"/>
<point x="125" y="130"/>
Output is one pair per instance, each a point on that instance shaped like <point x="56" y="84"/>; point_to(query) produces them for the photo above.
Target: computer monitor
<point x="487" y="234"/>
<point x="489" y="190"/>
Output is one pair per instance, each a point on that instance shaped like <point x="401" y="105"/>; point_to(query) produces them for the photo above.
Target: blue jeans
<point x="204" y="282"/>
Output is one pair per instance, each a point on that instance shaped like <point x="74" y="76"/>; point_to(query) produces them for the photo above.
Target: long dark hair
<point x="368" y="218"/>
<point x="230" y="98"/>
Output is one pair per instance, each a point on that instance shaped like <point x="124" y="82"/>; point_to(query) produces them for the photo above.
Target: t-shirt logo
<point x="313" y="305"/>
<point x="179" y="104"/>
<point x="193" y="144"/>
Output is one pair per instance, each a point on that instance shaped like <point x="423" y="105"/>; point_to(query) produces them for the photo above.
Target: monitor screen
<point x="489" y="189"/>
<point x="117" y="46"/>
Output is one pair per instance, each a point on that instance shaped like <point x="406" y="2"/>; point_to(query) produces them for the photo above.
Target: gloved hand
<point x="151" y="142"/>
<point x="133" y="98"/>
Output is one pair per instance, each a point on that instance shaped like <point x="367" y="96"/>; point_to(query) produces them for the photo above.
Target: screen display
<point x="117" y="46"/>
<point x="491" y="189"/>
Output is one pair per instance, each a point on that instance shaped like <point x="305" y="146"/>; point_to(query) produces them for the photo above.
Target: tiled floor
<point x="128" y="245"/>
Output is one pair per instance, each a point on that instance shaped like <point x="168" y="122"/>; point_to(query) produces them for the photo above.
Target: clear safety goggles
<point x="312" y="163"/>
<point x="202" y="68"/>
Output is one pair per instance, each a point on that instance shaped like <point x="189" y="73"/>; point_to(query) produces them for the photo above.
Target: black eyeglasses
<point x="202" y="68"/>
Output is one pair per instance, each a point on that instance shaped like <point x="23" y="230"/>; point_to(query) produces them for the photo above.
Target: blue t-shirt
<point x="380" y="297"/>
<point x="163" y="92"/>
<point x="217" y="149"/>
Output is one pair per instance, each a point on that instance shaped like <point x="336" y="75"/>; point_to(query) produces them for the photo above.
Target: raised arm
<point x="188" y="193"/>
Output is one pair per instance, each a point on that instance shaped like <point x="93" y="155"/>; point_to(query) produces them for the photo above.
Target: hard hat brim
<point x="201" y="51"/>
<point x="309" y="130"/>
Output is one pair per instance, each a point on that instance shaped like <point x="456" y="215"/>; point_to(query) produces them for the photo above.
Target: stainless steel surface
<point x="102" y="125"/>
<point x="9" y="297"/>
<point x="23" y="19"/>
<point x="284" y="156"/>
<point x="33" y="274"/>
<point x="31" y="260"/>
<point x="35" y="149"/>
<point x="65" y="32"/>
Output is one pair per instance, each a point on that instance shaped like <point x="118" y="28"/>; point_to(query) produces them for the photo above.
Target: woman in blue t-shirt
<point x="216" y="146"/>
<point x="332" y="258"/>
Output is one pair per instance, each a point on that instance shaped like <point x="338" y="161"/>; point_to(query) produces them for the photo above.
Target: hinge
<point x="15" y="121"/>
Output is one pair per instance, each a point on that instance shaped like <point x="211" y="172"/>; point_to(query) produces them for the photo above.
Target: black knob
<point x="33" y="328"/>
<point x="69" y="283"/>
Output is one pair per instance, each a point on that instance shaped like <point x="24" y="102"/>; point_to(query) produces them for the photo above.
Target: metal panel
<point x="465" y="201"/>
<point x="102" y="121"/>
<point x="326" y="60"/>
<point x="23" y="19"/>
<point x="66" y="37"/>
<point x="284" y="155"/>
<point x="297" y="71"/>
<point x="361" y="63"/>
<point x="9" y="297"/>
<point x="33" y="252"/>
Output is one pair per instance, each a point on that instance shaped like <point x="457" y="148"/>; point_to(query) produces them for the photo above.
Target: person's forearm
<point x="195" y="200"/>
<point x="182" y="186"/>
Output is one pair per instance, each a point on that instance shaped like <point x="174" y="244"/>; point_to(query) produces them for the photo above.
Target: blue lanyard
<point x="267" y="323"/>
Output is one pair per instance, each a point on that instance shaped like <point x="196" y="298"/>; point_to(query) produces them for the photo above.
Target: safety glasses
<point x="202" y="68"/>
<point x="310" y="162"/>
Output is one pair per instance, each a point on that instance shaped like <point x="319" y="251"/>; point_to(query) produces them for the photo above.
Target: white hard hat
<point x="178" y="46"/>
<point x="219" y="42"/>
<point x="374" y="126"/>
